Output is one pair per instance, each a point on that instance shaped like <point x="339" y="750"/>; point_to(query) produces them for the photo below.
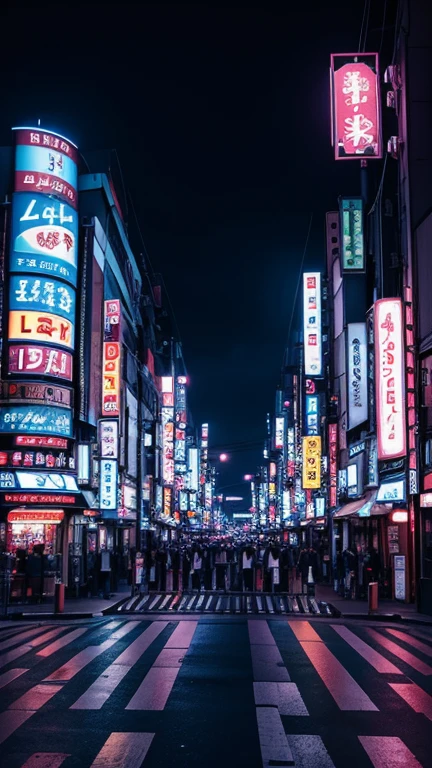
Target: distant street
<point x="215" y="690"/>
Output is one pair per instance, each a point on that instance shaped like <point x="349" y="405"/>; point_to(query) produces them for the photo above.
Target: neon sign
<point x="41" y="326"/>
<point x="312" y="323"/>
<point x="46" y="419"/>
<point x="356" y="130"/>
<point x="31" y="360"/>
<point x="28" y="292"/>
<point x="311" y="462"/>
<point x="390" y="378"/>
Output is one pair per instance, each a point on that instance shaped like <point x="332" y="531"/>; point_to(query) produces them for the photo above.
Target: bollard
<point x="373" y="596"/>
<point x="59" y="596"/>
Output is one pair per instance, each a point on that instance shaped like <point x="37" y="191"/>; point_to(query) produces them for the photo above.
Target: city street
<point x="215" y="690"/>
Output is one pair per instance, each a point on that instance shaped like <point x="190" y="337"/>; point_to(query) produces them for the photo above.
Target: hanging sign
<point x="357" y="374"/>
<point x="312" y="324"/>
<point x="332" y="442"/>
<point x="356" y="123"/>
<point x="108" y="438"/>
<point x="311" y="462"/>
<point x="279" y="432"/>
<point x="108" y="485"/>
<point x="111" y="378"/>
<point x="353" y="255"/>
<point x="390" y="378"/>
<point x="311" y="415"/>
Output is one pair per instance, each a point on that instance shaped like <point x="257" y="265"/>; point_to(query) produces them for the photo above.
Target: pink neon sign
<point x="390" y="378"/>
<point x="356" y="125"/>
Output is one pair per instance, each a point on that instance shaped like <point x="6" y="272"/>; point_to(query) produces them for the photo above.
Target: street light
<point x="223" y="457"/>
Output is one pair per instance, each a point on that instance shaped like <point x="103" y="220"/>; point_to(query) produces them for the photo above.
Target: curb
<point x="18" y="616"/>
<point x="386" y="617"/>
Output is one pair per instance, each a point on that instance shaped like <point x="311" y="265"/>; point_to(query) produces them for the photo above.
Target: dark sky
<point x="220" y="117"/>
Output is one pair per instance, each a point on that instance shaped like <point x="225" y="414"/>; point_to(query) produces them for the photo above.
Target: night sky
<point x="220" y="117"/>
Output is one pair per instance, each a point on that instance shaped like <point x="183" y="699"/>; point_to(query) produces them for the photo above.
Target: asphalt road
<point x="215" y="691"/>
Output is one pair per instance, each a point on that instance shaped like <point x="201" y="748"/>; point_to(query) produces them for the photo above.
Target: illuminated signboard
<point x="168" y="445"/>
<point x="111" y="378"/>
<point x="42" y="458"/>
<point x="356" y="124"/>
<point x="357" y="374"/>
<point x="353" y="253"/>
<point x="41" y="294"/>
<point x="41" y="442"/>
<point x="332" y="443"/>
<point x="393" y="490"/>
<point x="111" y="362"/>
<point x="30" y="360"/>
<point x="35" y="392"/>
<point x="108" y="438"/>
<point x="48" y="516"/>
<point x="319" y="502"/>
<point x="108" y="484"/>
<point x="193" y="468"/>
<point x="38" y="481"/>
<point x="167" y="502"/>
<point x="208" y="495"/>
<point x="311" y="415"/>
<point x="390" y="378"/>
<point x="49" y="419"/>
<point x="279" y="432"/>
<point x="44" y="238"/>
<point x="312" y="323"/>
<point x="38" y="498"/>
<point x="291" y="452"/>
<point x="45" y="166"/>
<point x="311" y="462"/>
<point x="41" y="326"/>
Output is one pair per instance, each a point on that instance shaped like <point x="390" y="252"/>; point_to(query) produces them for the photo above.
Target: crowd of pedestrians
<point x="230" y="563"/>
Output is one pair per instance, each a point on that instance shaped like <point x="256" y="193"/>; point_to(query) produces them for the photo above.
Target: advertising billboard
<point x="311" y="462"/>
<point x="168" y="445"/>
<point x="357" y="374"/>
<point x="111" y="378"/>
<point x="108" y="485"/>
<point x="390" y="378"/>
<point x="45" y="162"/>
<point x="312" y="414"/>
<point x="36" y="419"/>
<point x="279" y="432"/>
<point x="312" y="323"/>
<point x="41" y="326"/>
<point x="31" y="360"/>
<point x="355" y="106"/>
<point x="44" y="238"/>
<point x="41" y="294"/>
<point x="353" y="247"/>
<point x="108" y="438"/>
<point x="35" y="392"/>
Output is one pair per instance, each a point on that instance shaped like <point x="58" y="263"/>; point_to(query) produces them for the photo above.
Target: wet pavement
<point x="162" y="690"/>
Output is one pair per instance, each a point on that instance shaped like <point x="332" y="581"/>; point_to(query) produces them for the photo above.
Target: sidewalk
<point x="358" y="609"/>
<point x="83" y="608"/>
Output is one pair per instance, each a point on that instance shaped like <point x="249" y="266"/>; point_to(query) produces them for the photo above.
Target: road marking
<point x="388" y="752"/>
<point x="10" y="720"/>
<point x="154" y="689"/>
<point x="208" y="603"/>
<point x="153" y="602"/>
<point x="309" y="752"/>
<point x="157" y="685"/>
<point x="35" y="697"/>
<point x="259" y="604"/>
<point x="285" y="696"/>
<point x="416" y="697"/>
<point x="182" y="635"/>
<point x="45" y="760"/>
<point x="78" y="662"/>
<point x="99" y="692"/>
<point x="346" y="692"/>
<point x="426" y="649"/>
<point x="275" y="749"/>
<point x="401" y="653"/>
<point x="61" y="642"/>
<point x="10" y="675"/>
<point x="269" y="604"/>
<point x="27" y="647"/>
<point x="375" y="659"/>
<point x="123" y="750"/>
<point x="260" y="633"/>
<point x="19" y="637"/>
<point x="304" y="632"/>
<point x="268" y="665"/>
<point x="141" y="603"/>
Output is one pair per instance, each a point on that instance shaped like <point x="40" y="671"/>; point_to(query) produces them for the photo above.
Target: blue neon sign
<point x="36" y="419"/>
<point x="312" y="415"/>
<point x="47" y="295"/>
<point x="46" y="160"/>
<point x="44" y="236"/>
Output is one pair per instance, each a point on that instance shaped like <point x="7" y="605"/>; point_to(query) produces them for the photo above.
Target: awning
<point x="354" y="507"/>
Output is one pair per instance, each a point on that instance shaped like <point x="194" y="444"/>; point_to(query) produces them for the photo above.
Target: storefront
<point x="371" y="544"/>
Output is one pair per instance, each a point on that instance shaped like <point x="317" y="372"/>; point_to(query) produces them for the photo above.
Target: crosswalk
<point x="131" y="692"/>
<point x="235" y="603"/>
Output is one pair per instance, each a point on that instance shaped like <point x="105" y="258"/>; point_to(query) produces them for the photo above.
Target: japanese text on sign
<point x="390" y="378"/>
<point x="311" y="462"/>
